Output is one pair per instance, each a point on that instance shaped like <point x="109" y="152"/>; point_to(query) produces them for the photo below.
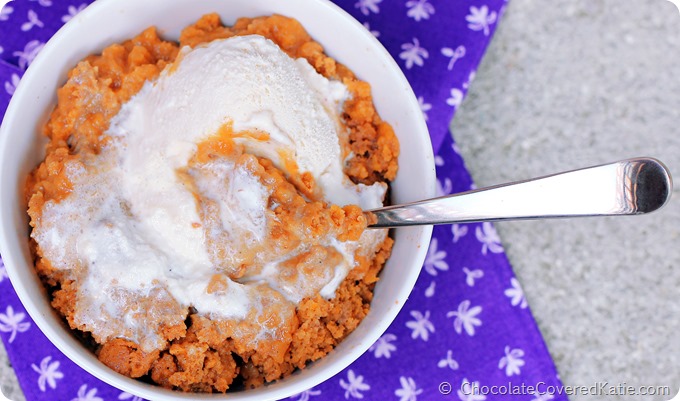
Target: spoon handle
<point x="633" y="186"/>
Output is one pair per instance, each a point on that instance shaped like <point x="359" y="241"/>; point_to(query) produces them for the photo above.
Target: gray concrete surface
<point x="566" y="84"/>
<point x="8" y="380"/>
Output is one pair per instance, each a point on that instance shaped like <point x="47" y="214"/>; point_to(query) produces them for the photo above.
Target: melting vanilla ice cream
<point x="132" y="230"/>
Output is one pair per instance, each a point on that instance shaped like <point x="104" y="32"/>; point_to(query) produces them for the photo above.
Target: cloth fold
<point x="466" y="331"/>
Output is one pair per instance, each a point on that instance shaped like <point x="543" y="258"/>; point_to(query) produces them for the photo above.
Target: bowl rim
<point x="96" y="368"/>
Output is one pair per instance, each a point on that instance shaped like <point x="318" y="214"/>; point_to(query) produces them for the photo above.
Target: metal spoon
<point x="633" y="186"/>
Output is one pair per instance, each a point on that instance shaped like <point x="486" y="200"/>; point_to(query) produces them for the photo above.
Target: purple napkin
<point x="466" y="332"/>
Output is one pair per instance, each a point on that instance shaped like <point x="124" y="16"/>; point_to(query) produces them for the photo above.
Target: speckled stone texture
<point x="569" y="84"/>
<point x="8" y="380"/>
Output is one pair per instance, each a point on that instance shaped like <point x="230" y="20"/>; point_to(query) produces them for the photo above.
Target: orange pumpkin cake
<point x="197" y="219"/>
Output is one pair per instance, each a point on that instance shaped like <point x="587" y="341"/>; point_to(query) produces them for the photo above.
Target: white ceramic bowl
<point x="110" y="21"/>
